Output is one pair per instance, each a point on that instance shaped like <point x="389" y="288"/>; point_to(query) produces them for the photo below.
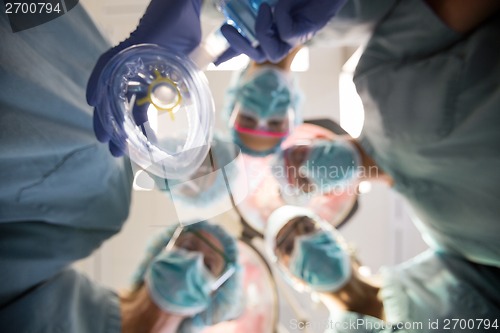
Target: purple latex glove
<point x="171" y="24"/>
<point x="291" y="23"/>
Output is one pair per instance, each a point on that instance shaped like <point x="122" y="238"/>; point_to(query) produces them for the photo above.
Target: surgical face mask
<point x="214" y="258"/>
<point x="320" y="262"/>
<point x="316" y="167"/>
<point x="180" y="283"/>
<point x="331" y="164"/>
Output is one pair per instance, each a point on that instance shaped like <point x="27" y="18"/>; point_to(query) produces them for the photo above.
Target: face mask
<point x="331" y="164"/>
<point x="148" y="79"/>
<point x="180" y="283"/>
<point x="320" y="262"/>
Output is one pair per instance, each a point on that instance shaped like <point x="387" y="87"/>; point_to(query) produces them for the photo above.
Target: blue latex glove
<point x="291" y="23"/>
<point x="172" y="24"/>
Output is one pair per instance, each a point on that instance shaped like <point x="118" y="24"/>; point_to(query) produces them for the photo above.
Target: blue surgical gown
<point x="62" y="193"/>
<point x="432" y="121"/>
<point x="432" y="99"/>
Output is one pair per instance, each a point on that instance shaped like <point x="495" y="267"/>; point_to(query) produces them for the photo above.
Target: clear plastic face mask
<point x="146" y="79"/>
<point x="214" y="259"/>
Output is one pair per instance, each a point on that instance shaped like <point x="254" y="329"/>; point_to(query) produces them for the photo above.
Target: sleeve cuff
<point x="114" y="320"/>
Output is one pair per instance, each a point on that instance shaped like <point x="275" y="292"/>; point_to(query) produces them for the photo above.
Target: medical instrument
<point x="160" y="103"/>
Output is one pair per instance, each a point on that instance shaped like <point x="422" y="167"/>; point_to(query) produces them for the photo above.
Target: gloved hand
<point x="171" y="24"/>
<point x="292" y="22"/>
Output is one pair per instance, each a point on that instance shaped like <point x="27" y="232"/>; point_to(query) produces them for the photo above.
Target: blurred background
<point x="381" y="230"/>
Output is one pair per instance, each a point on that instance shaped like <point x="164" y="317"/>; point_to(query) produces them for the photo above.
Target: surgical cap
<point x="265" y="94"/>
<point x="227" y="301"/>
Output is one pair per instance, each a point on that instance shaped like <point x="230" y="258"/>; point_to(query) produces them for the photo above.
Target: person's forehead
<point x="256" y="111"/>
<point x="209" y="237"/>
<point x="292" y="224"/>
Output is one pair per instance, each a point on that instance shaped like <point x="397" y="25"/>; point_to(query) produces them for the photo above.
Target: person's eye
<point x="208" y="264"/>
<point x="247" y="122"/>
<point x="288" y="247"/>
<point x="275" y="125"/>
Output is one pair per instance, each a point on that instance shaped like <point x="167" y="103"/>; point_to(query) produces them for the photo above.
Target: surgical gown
<point x="432" y="100"/>
<point x="62" y="193"/>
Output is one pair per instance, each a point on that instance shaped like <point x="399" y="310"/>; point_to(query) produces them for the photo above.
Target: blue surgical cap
<point x="227" y="301"/>
<point x="265" y="94"/>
